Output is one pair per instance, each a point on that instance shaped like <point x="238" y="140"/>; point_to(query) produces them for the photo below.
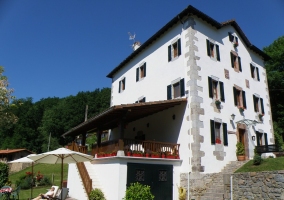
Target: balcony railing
<point x="136" y="145"/>
<point x="268" y="149"/>
<point x="74" y="147"/>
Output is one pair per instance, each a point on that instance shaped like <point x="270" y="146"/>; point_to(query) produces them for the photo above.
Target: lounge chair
<point x="15" y="193"/>
<point x="64" y="192"/>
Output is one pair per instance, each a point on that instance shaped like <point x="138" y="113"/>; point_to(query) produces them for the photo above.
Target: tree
<point x="6" y="114"/>
<point x="275" y="76"/>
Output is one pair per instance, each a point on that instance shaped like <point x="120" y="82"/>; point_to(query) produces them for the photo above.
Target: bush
<point x="96" y="194"/>
<point x="138" y="191"/>
<point x="44" y="181"/>
<point x="4" y="174"/>
<point x="257" y="159"/>
<point x="25" y="183"/>
<point x="240" y="149"/>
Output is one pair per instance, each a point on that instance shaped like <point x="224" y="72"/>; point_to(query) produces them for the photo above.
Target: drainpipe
<point x="188" y="185"/>
<point x="231" y="187"/>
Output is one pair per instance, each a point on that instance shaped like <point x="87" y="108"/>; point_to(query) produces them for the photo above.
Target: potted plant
<point x="241" y="109"/>
<point x="170" y="155"/>
<point x="155" y="154"/>
<point x="108" y="154"/>
<point x="217" y="102"/>
<point x="114" y="153"/>
<point x="240" y="151"/>
<point x="128" y="153"/>
<point x="137" y="154"/>
<point x="100" y="154"/>
<point x="218" y="141"/>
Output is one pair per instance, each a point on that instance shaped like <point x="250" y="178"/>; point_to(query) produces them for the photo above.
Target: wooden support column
<point x="83" y="140"/>
<point x="99" y="139"/>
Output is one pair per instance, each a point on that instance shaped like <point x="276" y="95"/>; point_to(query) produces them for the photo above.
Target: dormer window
<point x="213" y="50"/>
<point x="174" y="50"/>
<point x="234" y="39"/>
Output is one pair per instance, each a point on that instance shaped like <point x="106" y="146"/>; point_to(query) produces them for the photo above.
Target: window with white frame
<point x="216" y="89"/>
<point x="234" y="39"/>
<point x="258" y="104"/>
<point x="236" y="61"/>
<point x="174" y="50"/>
<point x="176" y="89"/>
<point x="141" y="72"/>
<point x="213" y="50"/>
<point x="239" y="97"/>
<point x="254" y="72"/>
<point x="219" y="133"/>
<point x="121" y="85"/>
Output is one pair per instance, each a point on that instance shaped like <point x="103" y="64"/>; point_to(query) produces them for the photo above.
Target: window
<point x="141" y="100"/>
<point x="258" y="104"/>
<point x="216" y="89"/>
<point x="176" y="89"/>
<point x="174" y="50"/>
<point x="213" y="50"/>
<point x="236" y="62"/>
<point x="239" y="98"/>
<point x="218" y="130"/>
<point x="141" y="72"/>
<point x="233" y="39"/>
<point x="254" y="72"/>
<point x="121" y="85"/>
<point x="259" y="138"/>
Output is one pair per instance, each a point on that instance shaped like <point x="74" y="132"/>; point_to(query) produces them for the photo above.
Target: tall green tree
<point x="275" y="76"/>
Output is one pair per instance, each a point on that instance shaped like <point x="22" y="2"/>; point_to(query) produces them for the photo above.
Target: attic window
<point x="234" y="39"/>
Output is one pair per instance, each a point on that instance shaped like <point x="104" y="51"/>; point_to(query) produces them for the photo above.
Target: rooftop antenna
<point x="135" y="44"/>
<point x="131" y="37"/>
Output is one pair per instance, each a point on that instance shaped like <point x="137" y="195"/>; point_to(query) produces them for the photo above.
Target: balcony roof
<point x="111" y="117"/>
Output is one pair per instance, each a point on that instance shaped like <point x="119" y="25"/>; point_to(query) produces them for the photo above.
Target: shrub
<point x="44" y="181"/>
<point x="25" y="183"/>
<point x="96" y="194"/>
<point x="257" y="159"/>
<point x="138" y="191"/>
<point x="4" y="174"/>
<point x="240" y="149"/>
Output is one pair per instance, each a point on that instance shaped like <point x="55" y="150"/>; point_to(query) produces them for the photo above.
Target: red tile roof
<point x="8" y="151"/>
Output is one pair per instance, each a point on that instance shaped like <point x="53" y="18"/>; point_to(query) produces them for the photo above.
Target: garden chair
<point x="16" y="193"/>
<point x="64" y="192"/>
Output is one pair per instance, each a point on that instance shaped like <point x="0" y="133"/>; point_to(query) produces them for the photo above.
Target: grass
<point x="268" y="164"/>
<point x="47" y="170"/>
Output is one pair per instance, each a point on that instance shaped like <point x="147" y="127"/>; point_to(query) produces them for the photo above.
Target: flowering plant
<point x="217" y="102"/>
<point x="236" y="44"/>
<point x="218" y="141"/>
<point x="29" y="173"/>
<point x="241" y="108"/>
<point x="39" y="176"/>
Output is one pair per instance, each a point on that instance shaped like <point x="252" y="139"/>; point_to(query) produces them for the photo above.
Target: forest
<point x="50" y="116"/>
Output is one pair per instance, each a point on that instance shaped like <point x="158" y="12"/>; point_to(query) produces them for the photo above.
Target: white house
<point x="195" y="88"/>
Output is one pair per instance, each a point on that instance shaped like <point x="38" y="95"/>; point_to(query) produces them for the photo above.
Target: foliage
<point x="6" y="115"/>
<point x="277" y="136"/>
<point x="44" y="181"/>
<point x="275" y="76"/>
<point x="4" y="174"/>
<point x="53" y="116"/>
<point x="240" y="149"/>
<point x="257" y="159"/>
<point x="268" y="164"/>
<point x="90" y="140"/>
<point x="182" y="193"/>
<point x="96" y="194"/>
<point x="137" y="191"/>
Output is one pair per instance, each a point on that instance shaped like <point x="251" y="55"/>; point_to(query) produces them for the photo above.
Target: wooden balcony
<point x="136" y="145"/>
<point x="74" y="147"/>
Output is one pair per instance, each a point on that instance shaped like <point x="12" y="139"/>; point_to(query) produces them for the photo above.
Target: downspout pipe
<point x="188" y="185"/>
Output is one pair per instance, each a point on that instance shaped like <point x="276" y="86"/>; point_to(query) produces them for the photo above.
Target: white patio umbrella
<point x="26" y="160"/>
<point x="60" y="156"/>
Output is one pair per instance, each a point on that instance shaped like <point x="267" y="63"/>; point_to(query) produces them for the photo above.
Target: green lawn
<point x="48" y="170"/>
<point x="268" y="164"/>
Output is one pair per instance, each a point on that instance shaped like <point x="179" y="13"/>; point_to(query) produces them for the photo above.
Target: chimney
<point x="136" y="45"/>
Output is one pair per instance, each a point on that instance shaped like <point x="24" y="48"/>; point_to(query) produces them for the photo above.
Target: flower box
<point x="260" y="116"/>
<point x="155" y="156"/>
<point x="218" y="102"/>
<point x="241" y="109"/>
<point x="171" y="156"/>
<point x="137" y="155"/>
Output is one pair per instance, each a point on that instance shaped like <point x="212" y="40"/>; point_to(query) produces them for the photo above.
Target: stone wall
<point x="256" y="185"/>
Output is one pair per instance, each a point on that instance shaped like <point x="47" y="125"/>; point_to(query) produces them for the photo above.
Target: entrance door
<point x="158" y="177"/>
<point x="242" y="136"/>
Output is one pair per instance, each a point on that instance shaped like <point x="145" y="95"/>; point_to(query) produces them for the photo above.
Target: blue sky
<point x="52" y="48"/>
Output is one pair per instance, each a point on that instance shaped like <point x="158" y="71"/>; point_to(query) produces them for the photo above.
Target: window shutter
<point x="257" y="138"/>
<point x="136" y="101"/>
<point x="240" y="65"/>
<point x="212" y="125"/>
<point x="210" y="87"/>
<point x="144" y="99"/>
<point x="217" y="52"/>
<point x="262" y="107"/>
<point x="169" y="53"/>
<point x="137" y="74"/>
<point x="235" y="96"/>
<point x="225" y="134"/>
<point x="254" y="102"/>
<point x="231" y="38"/>
<point x="119" y="86"/>
<point x="182" y="91"/>
<point x="257" y="73"/>
<point x="222" y="91"/>
<point x="208" y="48"/>
<point x="232" y="60"/>
<point x="251" y="70"/>
<point x="265" y="139"/>
<point x="169" y="92"/>
<point x="145" y="69"/>
<point x="124" y="83"/>
<point x="244" y="99"/>
<point x="179" y="47"/>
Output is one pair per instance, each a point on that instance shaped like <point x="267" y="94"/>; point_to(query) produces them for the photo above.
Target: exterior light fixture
<point x="253" y="138"/>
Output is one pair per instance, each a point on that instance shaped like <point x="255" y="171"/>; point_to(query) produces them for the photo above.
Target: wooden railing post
<point x="120" y="144"/>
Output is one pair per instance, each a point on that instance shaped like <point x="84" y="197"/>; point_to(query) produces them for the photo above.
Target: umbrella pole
<point x="61" y="175"/>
